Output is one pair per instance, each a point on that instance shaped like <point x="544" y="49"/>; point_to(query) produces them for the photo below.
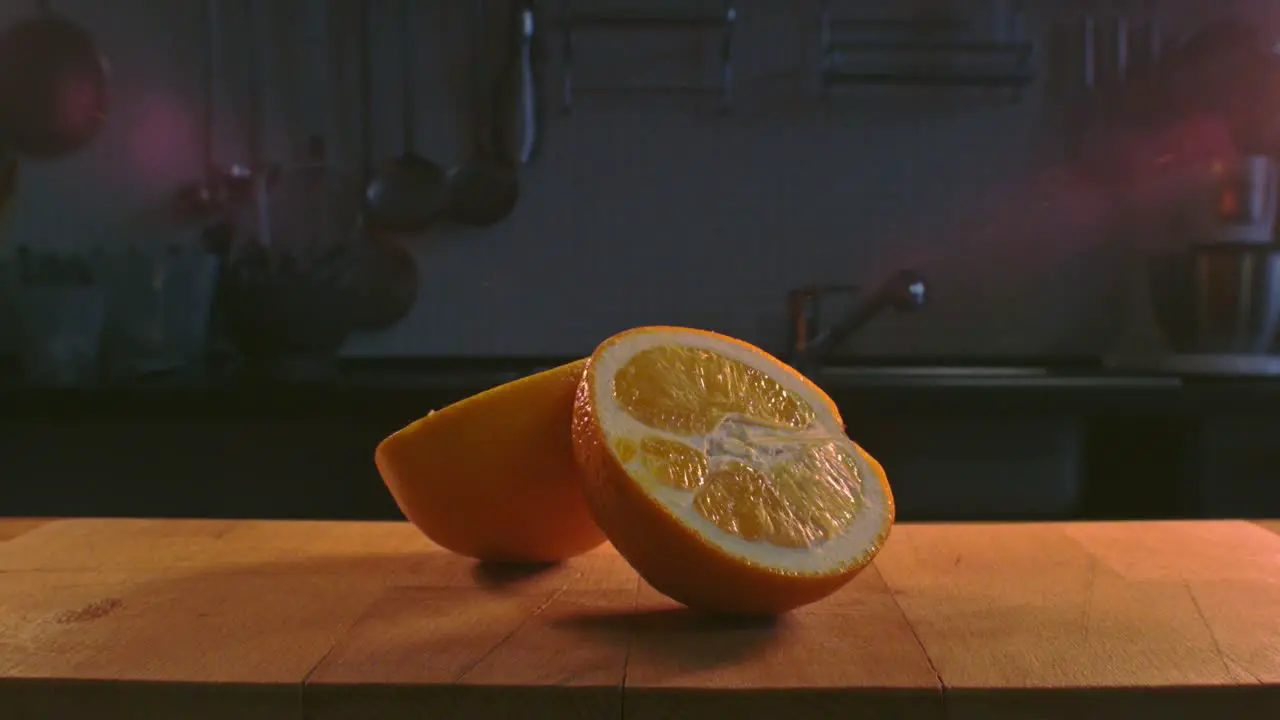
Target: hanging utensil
<point x="364" y="51"/>
<point x="54" y="88"/>
<point x="1120" y="46"/>
<point x="1110" y="68"/>
<point x="1082" y="91"/>
<point x="385" y="280"/>
<point x="208" y="115"/>
<point x="1140" y="106"/>
<point x="202" y="199"/>
<point x="8" y="180"/>
<point x="530" y="87"/>
<point x="288" y="299"/>
<point x="1153" y="34"/>
<point x="410" y="192"/>
<point x="315" y="206"/>
<point x="1113" y="98"/>
<point x="257" y="122"/>
<point x="485" y="191"/>
<point x="248" y="181"/>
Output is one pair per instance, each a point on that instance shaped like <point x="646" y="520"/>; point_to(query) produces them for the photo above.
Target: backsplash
<point x="646" y="209"/>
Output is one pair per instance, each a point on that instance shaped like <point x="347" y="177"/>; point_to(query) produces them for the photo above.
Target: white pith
<point x="856" y="539"/>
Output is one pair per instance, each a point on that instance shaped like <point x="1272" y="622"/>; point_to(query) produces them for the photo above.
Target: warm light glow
<point x="1228" y="203"/>
<point x="162" y="137"/>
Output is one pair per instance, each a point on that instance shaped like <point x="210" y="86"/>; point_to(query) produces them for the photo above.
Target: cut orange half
<point x="723" y="475"/>
<point x="494" y="476"/>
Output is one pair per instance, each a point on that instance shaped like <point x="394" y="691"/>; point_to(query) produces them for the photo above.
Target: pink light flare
<point x="163" y="140"/>
<point x="1065" y="209"/>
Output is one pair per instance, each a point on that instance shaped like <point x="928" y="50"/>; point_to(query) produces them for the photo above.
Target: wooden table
<point x="248" y="619"/>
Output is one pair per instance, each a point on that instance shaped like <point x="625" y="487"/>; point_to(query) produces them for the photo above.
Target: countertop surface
<point x="256" y="619"/>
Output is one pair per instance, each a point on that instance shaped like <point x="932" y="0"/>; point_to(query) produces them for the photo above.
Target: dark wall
<point x="644" y="209"/>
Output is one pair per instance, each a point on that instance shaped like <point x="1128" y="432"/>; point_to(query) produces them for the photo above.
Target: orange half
<point x="494" y="476"/>
<point x="722" y="474"/>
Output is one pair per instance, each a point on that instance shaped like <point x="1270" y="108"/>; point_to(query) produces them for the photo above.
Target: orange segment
<point x="689" y="390"/>
<point x="722" y="474"/>
<point x="674" y="464"/>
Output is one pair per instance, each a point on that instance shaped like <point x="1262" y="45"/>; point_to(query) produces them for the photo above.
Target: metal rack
<point x="854" y="52"/>
<point x="572" y="20"/>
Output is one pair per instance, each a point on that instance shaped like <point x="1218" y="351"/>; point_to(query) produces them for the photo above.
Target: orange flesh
<point x="764" y="471"/>
<point x="674" y="464"/>
<point x="711" y="387"/>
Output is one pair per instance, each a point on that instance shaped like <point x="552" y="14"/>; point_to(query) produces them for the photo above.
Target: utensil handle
<point x="213" y="41"/>
<point x="256" y="117"/>
<point x="528" y="99"/>
<point x="408" y="60"/>
<point x="317" y="108"/>
<point x="1155" y="42"/>
<point x="1122" y="47"/>
<point x="483" y="84"/>
<point x="262" y="203"/>
<point x="366" y="92"/>
<point x="1088" y="53"/>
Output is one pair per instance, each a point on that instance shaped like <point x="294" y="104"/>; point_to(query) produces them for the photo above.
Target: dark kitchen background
<point x="992" y="400"/>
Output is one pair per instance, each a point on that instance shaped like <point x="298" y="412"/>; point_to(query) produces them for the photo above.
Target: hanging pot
<point x="54" y="91"/>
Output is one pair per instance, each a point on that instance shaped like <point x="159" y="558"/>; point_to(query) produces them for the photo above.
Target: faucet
<point x="809" y="344"/>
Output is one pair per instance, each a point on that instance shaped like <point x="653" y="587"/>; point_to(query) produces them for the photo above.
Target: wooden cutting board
<point x="255" y="619"/>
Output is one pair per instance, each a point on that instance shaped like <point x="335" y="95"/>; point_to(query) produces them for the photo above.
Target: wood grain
<point x="252" y="635"/>
<point x="11" y="528"/>
<point x="514" y="649"/>
<point x="129" y="544"/>
<point x="129" y="618"/>
<point x="1093" y="619"/>
<point x="852" y="655"/>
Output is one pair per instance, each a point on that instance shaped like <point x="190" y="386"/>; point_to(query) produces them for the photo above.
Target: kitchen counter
<point x="256" y="619"/>
<point x="424" y="383"/>
<point x="961" y="441"/>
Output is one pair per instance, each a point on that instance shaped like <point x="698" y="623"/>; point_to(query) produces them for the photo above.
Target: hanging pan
<point x="54" y="90"/>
